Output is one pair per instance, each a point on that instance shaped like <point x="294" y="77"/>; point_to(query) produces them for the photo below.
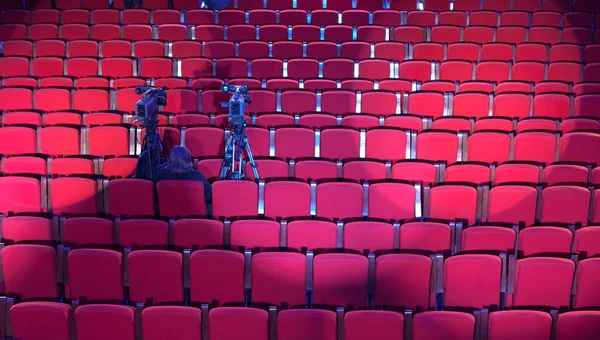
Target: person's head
<point x="180" y="160"/>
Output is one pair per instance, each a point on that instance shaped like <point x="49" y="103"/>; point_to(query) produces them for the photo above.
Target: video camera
<point x="146" y="109"/>
<point x="236" y="104"/>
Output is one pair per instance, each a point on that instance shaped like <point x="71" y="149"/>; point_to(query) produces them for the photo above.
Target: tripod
<point x="151" y="157"/>
<point x="236" y="144"/>
<point x="237" y="141"/>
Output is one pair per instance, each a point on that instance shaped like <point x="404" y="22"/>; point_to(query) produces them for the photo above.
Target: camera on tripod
<point x="237" y="142"/>
<point x="146" y="109"/>
<point x="146" y="112"/>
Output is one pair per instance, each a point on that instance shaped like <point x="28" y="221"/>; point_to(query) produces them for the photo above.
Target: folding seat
<point x="17" y="48"/>
<point x="253" y="49"/>
<point x="447" y="153"/>
<point x="479" y="34"/>
<point x="576" y="35"/>
<point x="13" y="32"/>
<point x="329" y="286"/>
<point x="445" y="34"/>
<point x="574" y="124"/>
<point x="463" y="51"/>
<point x="274" y="120"/>
<point x="409" y="34"/>
<point x="220" y="289"/>
<point x="228" y="68"/>
<point x="537" y="146"/>
<point x="74" y="196"/>
<point x="380" y="142"/>
<point x="22" y="118"/>
<point x="241" y="33"/>
<point x="17" y="140"/>
<point x="166" y="16"/>
<point x="30" y="320"/>
<point x="475" y="86"/>
<point x="61" y="167"/>
<point x="415" y="171"/>
<point x="27" y="228"/>
<point x="163" y="269"/>
<point x="109" y="141"/>
<point x="135" y="233"/>
<point x="119" y="193"/>
<point x="584" y="6"/>
<point x="457" y="71"/>
<point x="74" y="32"/>
<point x="286" y="199"/>
<point x="355" y="50"/>
<point x="267" y="16"/>
<point x="296" y="324"/>
<point x="472" y="105"/>
<point x="163" y="321"/>
<point x="464" y="271"/>
<point x="95" y="322"/>
<point x="364" y="170"/>
<point x="82" y="48"/>
<point x="247" y="192"/>
<point x="439" y="86"/>
<point x="555" y="105"/>
<point x="566" y="52"/>
<point x="429" y="51"/>
<point x="156" y="67"/>
<point x="43" y="31"/>
<point x="120" y="167"/>
<point x="60" y="141"/>
<point x="197" y="233"/>
<point x="488" y="238"/>
<point x="332" y="140"/>
<point x="287" y="49"/>
<point x="328" y="203"/>
<point x="292" y="273"/>
<point x="481" y="144"/>
<point x="321" y="50"/>
<point x="116" y="48"/>
<point x="577" y="325"/>
<point x="515" y="18"/>
<point x="424" y="18"/>
<point x="475" y="173"/>
<point x="565" y="71"/>
<point x="440" y="195"/>
<point x="449" y="123"/>
<point x="95" y="274"/>
<point x="515" y="86"/>
<point x="14" y="67"/>
<point x="428" y="104"/>
<point x="517" y="172"/>
<point x="531" y="286"/>
<point x="552" y="86"/>
<point x="15" y="14"/>
<point x="591" y="72"/>
<point x="533" y="72"/>
<point x="91" y="100"/>
<point x="82" y="67"/>
<point x="380" y="205"/>
<point x="172" y="32"/>
<point x="484" y="18"/>
<point x="545" y="240"/>
<point x="591" y="53"/>
<point x="497" y="52"/>
<point x="251" y="320"/>
<point x="137" y="32"/>
<point x="306" y="33"/>
<point x="386" y="18"/>
<point x="47" y="67"/>
<point x="514" y="105"/>
<point x="13" y="99"/>
<point x="545" y="18"/>
<point x="35" y="281"/>
<point x="443" y="325"/>
<point x="419" y="70"/>
<point x="585" y="296"/>
<point x="273" y="33"/>
<point x="315" y="169"/>
<point x="519" y="324"/>
<point x="373" y="324"/>
<point x="532" y="123"/>
<point x="266" y="68"/>
<point x="229" y="17"/>
<point x="311" y="234"/>
<point x="565" y="173"/>
<point x="511" y="35"/>
<point x="336" y="69"/>
<point x="584" y="105"/>
<point x="555" y="208"/>
<point x="586" y="242"/>
<point x="544" y="35"/>
<point x="494" y="71"/>
<point x="355" y="17"/>
<point x="368" y="236"/>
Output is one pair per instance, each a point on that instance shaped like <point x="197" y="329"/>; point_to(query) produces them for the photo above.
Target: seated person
<point x="179" y="166"/>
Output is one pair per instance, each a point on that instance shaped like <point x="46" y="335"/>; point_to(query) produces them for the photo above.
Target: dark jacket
<point x="193" y="175"/>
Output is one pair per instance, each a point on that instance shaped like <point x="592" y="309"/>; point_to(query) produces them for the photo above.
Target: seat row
<point x="290" y="279"/>
<point x="321" y="17"/>
<point x="402" y="5"/>
<point x="303" y="33"/>
<point x="96" y="322"/>
<point x="303" y="234"/>
<point x="373" y="69"/>
<point x="391" y="99"/>
<point x="332" y="143"/>
<point x="389" y="200"/>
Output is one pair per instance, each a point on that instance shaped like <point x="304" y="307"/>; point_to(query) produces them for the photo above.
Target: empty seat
<point x="468" y="271"/>
<point x="537" y="146"/>
<point x="488" y="238"/>
<point x="402" y="207"/>
<point x="165" y="321"/>
<point x="245" y="192"/>
<point x="557" y="208"/>
<point x="27" y="228"/>
<point x="392" y="288"/>
<point x="329" y="204"/>
<point x="217" y="289"/>
<point x="332" y="272"/>
<point x="586" y="242"/>
<point x="279" y="279"/>
<point x="517" y="324"/>
<point x="74" y="195"/>
<point x="565" y="173"/>
<point x="373" y="325"/>
<point x="228" y="323"/>
<point x="512" y="204"/>
<point x="311" y="234"/>
<point x="531" y="286"/>
<point x="95" y="322"/>
<point x="163" y="269"/>
<point x="38" y="279"/>
<point x="193" y="191"/>
<point x="574" y="146"/>
<point x="35" y="320"/>
<point x="442" y="195"/>
<point x="446" y="149"/>
<point x="286" y="199"/>
<point x="489" y="147"/>
<point x="95" y="274"/>
<point x="368" y="236"/>
<point x="443" y="325"/>
<point x="577" y="325"/>
<point x="297" y="324"/>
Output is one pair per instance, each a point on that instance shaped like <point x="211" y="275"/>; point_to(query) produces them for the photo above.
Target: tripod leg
<point x="251" y="160"/>
<point x="228" y="158"/>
